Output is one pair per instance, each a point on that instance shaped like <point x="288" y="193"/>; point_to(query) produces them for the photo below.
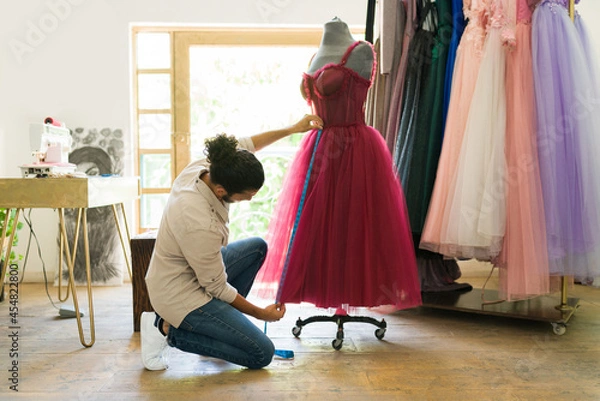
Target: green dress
<point x="419" y="139"/>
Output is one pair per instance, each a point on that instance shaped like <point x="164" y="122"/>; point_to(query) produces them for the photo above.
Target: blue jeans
<point x="219" y="330"/>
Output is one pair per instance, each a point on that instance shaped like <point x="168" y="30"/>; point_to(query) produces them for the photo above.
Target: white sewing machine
<point x="50" y="146"/>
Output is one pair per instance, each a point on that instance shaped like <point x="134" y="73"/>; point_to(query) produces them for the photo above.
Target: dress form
<point x="334" y="43"/>
<point x="346" y="211"/>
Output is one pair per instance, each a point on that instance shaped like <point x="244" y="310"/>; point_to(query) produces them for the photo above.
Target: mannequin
<point x="334" y="43"/>
<point x="350" y="245"/>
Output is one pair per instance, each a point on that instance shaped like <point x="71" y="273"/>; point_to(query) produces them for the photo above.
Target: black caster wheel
<point x="337" y="344"/>
<point x="296" y="331"/>
<point x="379" y="333"/>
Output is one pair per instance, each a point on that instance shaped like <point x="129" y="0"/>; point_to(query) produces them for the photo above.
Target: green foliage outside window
<point x="247" y="219"/>
<point x="243" y="91"/>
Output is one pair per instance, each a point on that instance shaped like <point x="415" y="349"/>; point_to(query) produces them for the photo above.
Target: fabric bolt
<point x="353" y="244"/>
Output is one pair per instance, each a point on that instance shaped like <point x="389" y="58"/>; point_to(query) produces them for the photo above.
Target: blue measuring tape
<point x="289" y="354"/>
<point x="298" y="213"/>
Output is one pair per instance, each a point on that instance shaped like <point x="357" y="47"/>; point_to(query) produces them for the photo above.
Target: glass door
<point x="241" y="82"/>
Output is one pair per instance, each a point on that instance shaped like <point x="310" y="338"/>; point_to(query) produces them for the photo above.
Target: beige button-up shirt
<point x="186" y="270"/>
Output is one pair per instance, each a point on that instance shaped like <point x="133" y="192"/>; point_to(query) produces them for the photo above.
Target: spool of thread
<point x="53" y="121"/>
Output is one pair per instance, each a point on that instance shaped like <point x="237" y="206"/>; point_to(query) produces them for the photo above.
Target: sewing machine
<point x="50" y="145"/>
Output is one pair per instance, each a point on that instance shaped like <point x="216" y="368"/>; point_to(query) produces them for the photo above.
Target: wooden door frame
<point x="183" y="40"/>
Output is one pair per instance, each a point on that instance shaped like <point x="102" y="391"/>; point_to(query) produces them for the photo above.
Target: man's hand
<point x="273" y="313"/>
<point x="308" y="122"/>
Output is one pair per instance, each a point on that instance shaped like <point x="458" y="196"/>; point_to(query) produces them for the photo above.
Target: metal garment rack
<point x="542" y="308"/>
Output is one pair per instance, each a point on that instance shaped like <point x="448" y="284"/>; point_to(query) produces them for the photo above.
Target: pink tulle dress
<point x="468" y="61"/>
<point x="523" y="261"/>
<point x="353" y="245"/>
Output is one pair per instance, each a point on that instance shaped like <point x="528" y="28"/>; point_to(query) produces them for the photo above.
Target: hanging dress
<point x="395" y="110"/>
<point x="468" y="59"/>
<point x="477" y="203"/>
<point x="388" y="46"/>
<point x="353" y="244"/>
<point x="417" y="147"/>
<point x="592" y="57"/>
<point x="458" y="27"/>
<point x="523" y="261"/>
<point x="437" y="274"/>
<point x="567" y="122"/>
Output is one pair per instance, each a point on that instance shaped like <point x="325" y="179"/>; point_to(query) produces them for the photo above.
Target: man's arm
<point x="308" y="122"/>
<point x="271" y="313"/>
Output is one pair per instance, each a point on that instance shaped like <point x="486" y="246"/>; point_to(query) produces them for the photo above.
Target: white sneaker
<point x="154" y="344"/>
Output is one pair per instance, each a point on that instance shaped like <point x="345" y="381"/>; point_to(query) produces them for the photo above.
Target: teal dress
<point x="419" y="139"/>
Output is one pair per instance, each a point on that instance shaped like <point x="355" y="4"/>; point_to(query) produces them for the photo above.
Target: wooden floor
<point x="426" y="354"/>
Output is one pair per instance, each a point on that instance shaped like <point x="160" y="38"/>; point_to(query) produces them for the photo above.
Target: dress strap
<point x="348" y="51"/>
<point x="352" y="46"/>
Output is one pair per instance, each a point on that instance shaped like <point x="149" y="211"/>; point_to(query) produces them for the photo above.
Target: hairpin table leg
<point x="81" y="213"/>
<point x="123" y="243"/>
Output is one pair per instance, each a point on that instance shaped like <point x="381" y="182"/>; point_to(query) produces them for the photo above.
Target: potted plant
<point x="13" y="257"/>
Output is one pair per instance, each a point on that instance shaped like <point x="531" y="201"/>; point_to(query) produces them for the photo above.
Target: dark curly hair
<point x="236" y="170"/>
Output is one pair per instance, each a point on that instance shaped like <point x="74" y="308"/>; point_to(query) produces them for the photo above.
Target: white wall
<point x="70" y="59"/>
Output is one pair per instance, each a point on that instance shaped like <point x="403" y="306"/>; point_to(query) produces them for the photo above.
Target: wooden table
<point x="69" y="193"/>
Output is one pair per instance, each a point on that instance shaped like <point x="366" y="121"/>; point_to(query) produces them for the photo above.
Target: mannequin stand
<point x="340" y="317"/>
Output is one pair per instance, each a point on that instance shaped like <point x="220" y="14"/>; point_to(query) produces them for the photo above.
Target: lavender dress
<point x="568" y="141"/>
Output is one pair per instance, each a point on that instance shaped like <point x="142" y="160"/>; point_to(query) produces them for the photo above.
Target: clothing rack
<point x="541" y="308"/>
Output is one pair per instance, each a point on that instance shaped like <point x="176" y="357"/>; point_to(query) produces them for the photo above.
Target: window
<point x="192" y="84"/>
